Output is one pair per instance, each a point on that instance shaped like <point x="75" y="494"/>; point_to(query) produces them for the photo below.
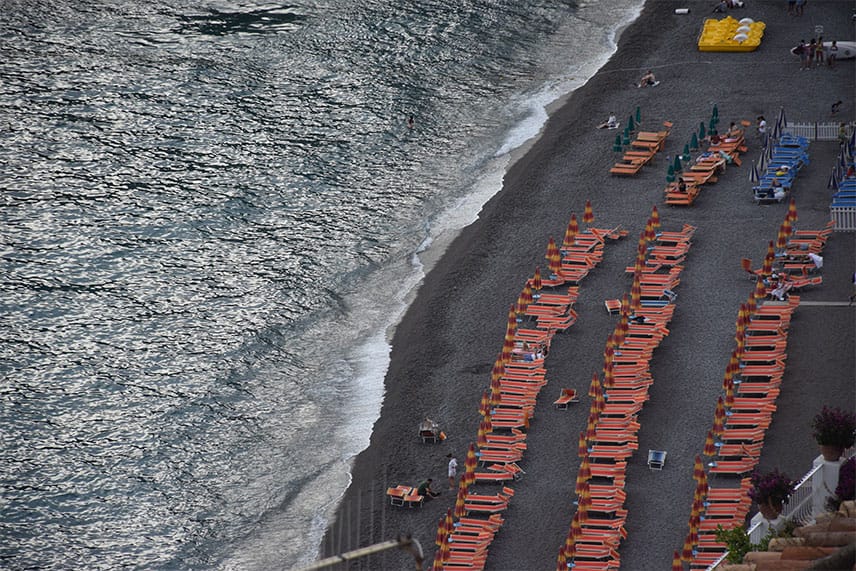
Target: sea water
<point x="213" y="214"/>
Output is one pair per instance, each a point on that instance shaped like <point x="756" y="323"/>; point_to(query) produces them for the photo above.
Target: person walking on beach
<point x="762" y="128"/>
<point x="453" y="470"/>
<point x="818" y="52"/>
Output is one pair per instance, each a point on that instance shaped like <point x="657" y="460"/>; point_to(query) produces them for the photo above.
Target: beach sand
<point x="445" y="345"/>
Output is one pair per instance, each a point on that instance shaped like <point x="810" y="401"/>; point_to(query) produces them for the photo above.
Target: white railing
<point x="798" y="508"/>
<point x="844" y="216"/>
<point x="818" y="131"/>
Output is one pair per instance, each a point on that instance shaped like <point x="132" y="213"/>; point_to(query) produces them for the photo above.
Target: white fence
<point x="845" y="218"/>
<point x="817" y="131"/>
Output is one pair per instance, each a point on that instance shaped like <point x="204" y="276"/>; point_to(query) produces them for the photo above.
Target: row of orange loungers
<point x="597" y="527"/>
<point x="705" y="170"/>
<point x="509" y="404"/>
<point x="643" y="149"/>
<point x="751" y="383"/>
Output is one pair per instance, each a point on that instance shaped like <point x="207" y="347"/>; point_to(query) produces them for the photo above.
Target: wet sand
<point x="445" y="346"/>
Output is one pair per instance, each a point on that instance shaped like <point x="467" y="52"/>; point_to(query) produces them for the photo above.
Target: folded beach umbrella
<point x="593" y="387"/>
<point x="655" y="218"/>
<point x="631" y="125"/>
<point x="754" y="178"/>
<point x="752" y="304"/>
<point x="760" y="290"/>
<point x="554" y="257"/>
<point x="582" y="446"/>
<point x="576" y="530"/>
<point x="650" y="232"/>
<point x="719" y="411"/>
<point x="703" y="482"/>
<point x="762" y="162"/>
<point x="442" y="533"/>
<point x="685" y="156"/>
<point x="694" y="142"/>
<point x="715" y="111"/>
<point x="712" y="125"/>
<point x="511" y="324"/>
<point x="709" y="445"/>
<point x="484" y="404"/>
<point x="498" y="366"/>
<point x="777" y="131"/>
<point x="536" y="281"/>
<point x="638" y="114"/>
<point x="585" y="470"/>
<point x="608" y="376"/>
<point x="729" y="396"/>
<point x="588" y="213"/>
<point x="571" y="231"/>
<point x="700" y="493"/>
<point x="616" y="146"/>
<point x="676" y="562"/>
<point x="782" y="121"/>
<point x="495" y="398"/>
<point x="581" y="488"/>
<point x="767" y="266"/>
<point x="525" y="298"/>
<point x="701" y="132"/>
<point x="832" y="184"/>
<point x="442" y="556"/>
<point x="583" y="509"/>
<point x="677" y="166"/>
<point x="698" y="468"/>
<point x="792" y="210"/>
<point x="687" y="551"/>
<point x="461" y="499"/>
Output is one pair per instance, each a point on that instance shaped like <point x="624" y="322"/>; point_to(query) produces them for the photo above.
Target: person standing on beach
<point x="762" y="127"/>
<point x="833" y="53"/>
<point x="453" y="470"/>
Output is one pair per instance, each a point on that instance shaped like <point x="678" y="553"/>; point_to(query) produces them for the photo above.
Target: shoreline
<point x="453" y="329"/>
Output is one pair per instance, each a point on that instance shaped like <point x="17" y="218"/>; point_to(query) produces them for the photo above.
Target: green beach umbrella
<point x="712" y="125"/>
<point x="616" y="146"/>
<point x="694" y="142"/>
<point x="701" y="131"/>
<point x="638" y="114"/>
<point x="630" y="124"/>
<point x="626" y="139"/>
<point x="671" y="171"/>
<point x="686" y="156"/>
<point x="715" y="110"/>
<point x="678" y="167"/>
